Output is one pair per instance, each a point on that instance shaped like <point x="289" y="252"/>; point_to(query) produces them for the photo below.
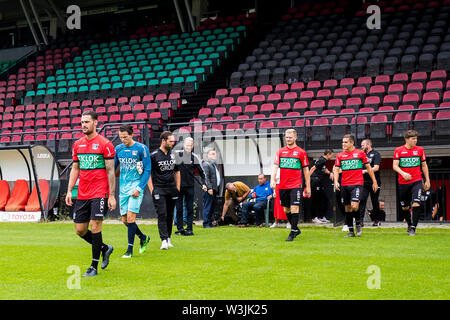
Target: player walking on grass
<point x="133" y="160"/>
<point x="408" y="159"/>
<point x="164" y="186"/>
<point x="351" y="161"/>
<point x="291" y="160"/>
<point x="93" y="163"/>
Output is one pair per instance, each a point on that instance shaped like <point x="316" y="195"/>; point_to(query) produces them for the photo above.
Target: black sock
<point x="357" y="217"/>
<point x="294" y="221"/>
<point x="407" y="216"/>
<point x="88" y="238"/>
<point x="289" y="217"/>
<point x="415" y="212"/>
<point x="131" y="233"/>
<point x="139" y="233"/>
<point x="96" y="248"/>
<point x="349" y="221"/>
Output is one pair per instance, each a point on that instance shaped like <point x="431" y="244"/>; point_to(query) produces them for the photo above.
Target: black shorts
<point x="408" y="193"/>
<point x="351" y="194"/>
<point x="290" y="197"/>
<point x="90" y="209"/>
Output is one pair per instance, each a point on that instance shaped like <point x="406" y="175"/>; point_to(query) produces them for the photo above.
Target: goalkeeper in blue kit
<point x="133" y="160"/>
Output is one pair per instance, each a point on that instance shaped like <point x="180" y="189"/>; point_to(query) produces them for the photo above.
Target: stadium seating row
<point x="20" y="199"/>
<point x="327" y="47"/>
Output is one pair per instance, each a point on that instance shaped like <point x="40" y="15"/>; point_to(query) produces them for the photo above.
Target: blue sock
<point x="131" y="233"/>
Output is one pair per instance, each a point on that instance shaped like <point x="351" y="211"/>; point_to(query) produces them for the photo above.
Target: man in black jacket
<point x="213" y="181"/>
<point x="374" y="158"/>
<point x="188" y="161"/>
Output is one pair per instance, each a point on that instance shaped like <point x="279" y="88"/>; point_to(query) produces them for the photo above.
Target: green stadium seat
<point x="138" y="76"/>
<point x="161" y="74"/>
<point x="182" y="65"/>
<point x="140" y="88"/>
<point x="174" y="73"/>
<point x="135" y="70"/>
<point x="193" y="45"/>
<point x="126" y="77"/>
<point x="190" y="84"/>
<point x="61" y="84"/>
<point x="128" y="89"/>
<point x="158" y="67"/>
<point x="81" y="75"/>
<point x="93" y="80"/>
<point x="143" y="63"/>
<point x="150" y="75"/>
<point x="200" y="73"/>
<point x="152" y="87"/>
<point x="177" y="84"/>
<point x="132" y="64"/>
<point x="186" y="72"/>
<point x="116" y="90"/>
<point x="164" y="85"/>
<point x="124" y="71"/>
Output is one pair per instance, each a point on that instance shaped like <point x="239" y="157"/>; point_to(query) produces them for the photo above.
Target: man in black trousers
<point x="374" y="158"/>
<point x="187" y="161"/>
<point x="164" y="186"/>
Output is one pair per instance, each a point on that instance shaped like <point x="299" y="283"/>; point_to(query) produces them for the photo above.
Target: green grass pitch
<point x="227" y="263"/>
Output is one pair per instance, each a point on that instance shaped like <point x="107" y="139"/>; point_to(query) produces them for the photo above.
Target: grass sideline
<point x="227" y="263"/>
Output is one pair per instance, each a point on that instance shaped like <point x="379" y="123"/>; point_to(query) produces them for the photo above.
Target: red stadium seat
<point x="4" y="194"/>
<point x="19" y="196"/>
<point x="33" y="201"/>
<point x="283" y="107"/>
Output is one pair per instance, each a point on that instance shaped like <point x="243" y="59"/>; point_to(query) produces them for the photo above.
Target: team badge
<point x="94" y="146"/>
<point x="295" y="153"/>
<point x="134" y="153"/>
<point x="355" y="155"/>
<point x="415" y="153"/>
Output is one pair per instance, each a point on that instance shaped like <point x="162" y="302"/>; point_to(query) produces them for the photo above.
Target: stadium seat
<point x="319" y="130"/>
<point x="423" y="123"/>
<point x="401" y="124"/>
<point x="338" y="128"/>
<point x="19" y="196"/>
<point x="4" y="194"/>
<point x="33" y="201"/>
<point x="378" y="128"/>
<point x="443" y="123"/>
<point x="359" y="127"/>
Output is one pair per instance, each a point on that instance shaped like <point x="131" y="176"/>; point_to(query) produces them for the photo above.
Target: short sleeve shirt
<point x="410" y="161"/>
<point x="320" y="165"/>
<point x="351" y="164"/>
<point x="374" y="158"/>
<point x="291" y="163"/>
<point x="91" y="156"/>
<point x="163" y="168"/>
<point x="241" y="189"/>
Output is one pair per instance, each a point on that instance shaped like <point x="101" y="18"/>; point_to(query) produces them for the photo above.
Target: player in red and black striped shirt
<point x="408" y="159"/>
<point x="351" y="161"/>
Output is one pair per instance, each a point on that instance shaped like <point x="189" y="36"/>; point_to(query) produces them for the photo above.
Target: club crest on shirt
<point x="295" y="153"/>
<point x="355" y="155"/>
<point x="134" y="153"/>
<point x="415" y="153"/>
<point x="95" y="146"/>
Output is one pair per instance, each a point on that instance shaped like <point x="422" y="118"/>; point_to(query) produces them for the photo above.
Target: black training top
<point x="163" y="167"/>
<point x="374" y="158"/>
<point x="320" y="165"/>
